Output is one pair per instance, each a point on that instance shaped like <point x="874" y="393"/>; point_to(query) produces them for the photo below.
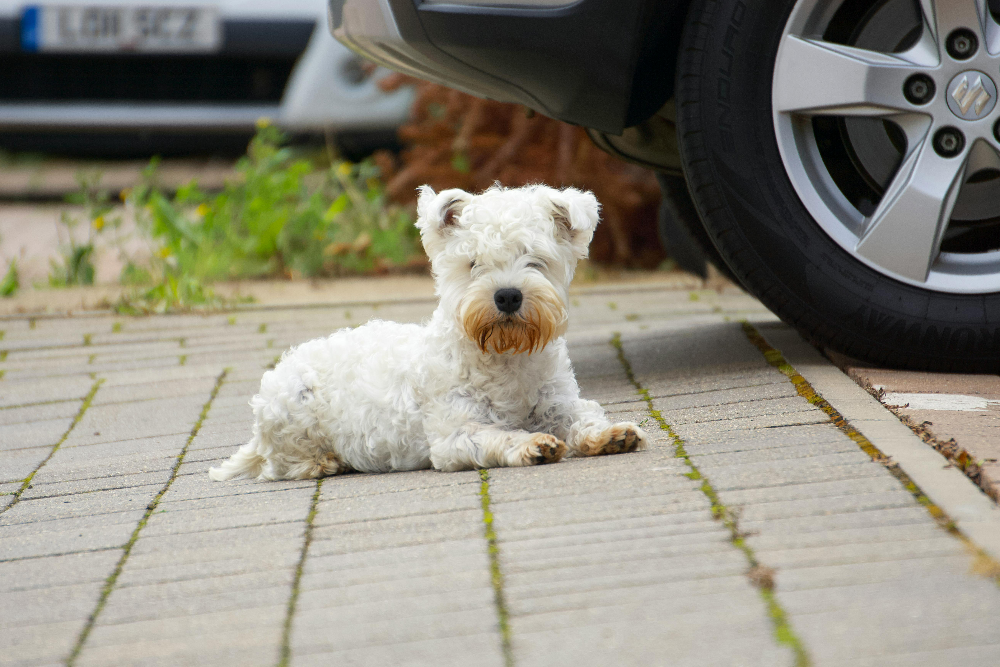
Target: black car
<point x="843" y="156"/>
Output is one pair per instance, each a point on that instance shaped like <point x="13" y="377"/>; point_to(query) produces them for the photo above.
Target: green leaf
<point x="336" y="208"/>
<point x="11" y="281"/>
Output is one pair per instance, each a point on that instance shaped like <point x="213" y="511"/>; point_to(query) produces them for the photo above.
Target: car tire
<point x="743" y="189"/>
<point x="682" y="233"/>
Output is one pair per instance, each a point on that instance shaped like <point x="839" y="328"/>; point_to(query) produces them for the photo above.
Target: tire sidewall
<point x="750" y="208"/>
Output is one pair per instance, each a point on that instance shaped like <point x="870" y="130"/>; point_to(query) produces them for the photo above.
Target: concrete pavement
<point x="754" y="531"/>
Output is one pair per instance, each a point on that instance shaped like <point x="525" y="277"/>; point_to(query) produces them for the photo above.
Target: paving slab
<point x="122" y="551"/>
<point x="958" y="411"/>
<point x="754" y="490"/>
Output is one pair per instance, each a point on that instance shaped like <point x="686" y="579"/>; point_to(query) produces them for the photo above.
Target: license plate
<point x="114" y="28"/>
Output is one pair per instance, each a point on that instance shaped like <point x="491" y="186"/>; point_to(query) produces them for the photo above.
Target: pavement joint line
<point x="752" y="447"/>
<point x="87" y="400"/>
<point x="759" y="575"/>
<point x="712" y="405"/>
<point x="285" y="655"/>
<point x="111" y="475"/>
<point x="697" y="393"/>
<point x="36" y="404"/>
<point x="109" y="584"/>
<point x="120" y="440"/>
<point x="87" y="492"/>
<point x="496" y="574"/>
<point x="815" y="423"/>
<point x="728" y="419"/>
<point x="57" y="555"/>
<point x="231" y="495"/>
<point x="221" y="529"/>
<point x="90" y="515"/>
<point x="394" y="517"/>
<point x="834" y="497"/>
<point x="985" y="563"/>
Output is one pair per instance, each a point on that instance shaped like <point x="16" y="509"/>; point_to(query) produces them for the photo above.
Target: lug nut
<point x="919" y="89"/>
<point x="948" y="142"/>
<point x="962" y="44"/>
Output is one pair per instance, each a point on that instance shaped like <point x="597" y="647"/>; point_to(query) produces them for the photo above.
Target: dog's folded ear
<point x="575" y="214"/>
<point x="437" y="212"/>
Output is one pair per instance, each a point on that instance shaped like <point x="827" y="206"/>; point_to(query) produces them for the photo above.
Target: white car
<point x="209" y="65"/>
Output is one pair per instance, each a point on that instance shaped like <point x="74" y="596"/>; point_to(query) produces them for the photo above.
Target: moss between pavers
<point x="761" y="576"/>
<point x="983" y="564"/>
<point x="26" y="482"/>
<point x="109" y="584"/>
<point x="496" y="575"/>
<point x="285" y="655"/>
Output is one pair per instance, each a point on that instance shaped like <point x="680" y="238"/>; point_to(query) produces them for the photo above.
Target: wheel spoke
<point x="904" y="234"/>
<point x="817" y="77"/>
<point x="943" y="16"/>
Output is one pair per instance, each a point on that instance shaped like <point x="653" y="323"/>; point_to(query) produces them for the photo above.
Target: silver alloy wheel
<point x="901" y="234"/>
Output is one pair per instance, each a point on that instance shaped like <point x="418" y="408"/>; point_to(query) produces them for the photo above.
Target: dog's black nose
<point x="508" y="299"/>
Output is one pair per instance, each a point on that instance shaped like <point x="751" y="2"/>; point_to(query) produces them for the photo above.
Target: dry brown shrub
<point x="457" y="140"/>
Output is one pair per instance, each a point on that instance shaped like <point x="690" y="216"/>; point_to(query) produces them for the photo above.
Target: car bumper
<point x="574" y="61"/>
<point x="290" y="71"/>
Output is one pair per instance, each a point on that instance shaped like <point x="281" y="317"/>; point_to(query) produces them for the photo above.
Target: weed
<point x="76" y="266"/>
<point x="11" y="281"/>
<point x="171" y="293"/>
<point x="282" y="217"/>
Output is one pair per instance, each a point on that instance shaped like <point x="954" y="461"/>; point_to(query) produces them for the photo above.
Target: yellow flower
<point x="99" y="223"/>
<point x="263" y="122"/>
<point x="344" y="169"/>
<point x="164" y="253"/>
<point x="202" y="210"/>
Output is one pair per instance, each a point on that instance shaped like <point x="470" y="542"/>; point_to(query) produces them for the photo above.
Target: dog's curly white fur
<point x="486" y="382"/>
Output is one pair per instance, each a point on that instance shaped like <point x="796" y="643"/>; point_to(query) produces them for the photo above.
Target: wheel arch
<point x="654" y="78"/>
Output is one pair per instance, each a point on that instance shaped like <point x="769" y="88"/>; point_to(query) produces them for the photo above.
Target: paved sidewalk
<point x="753" y="532"/>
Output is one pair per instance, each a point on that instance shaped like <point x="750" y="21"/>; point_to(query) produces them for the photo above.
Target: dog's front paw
<point x="539" y="448"/>
<point x="616" y="439"/>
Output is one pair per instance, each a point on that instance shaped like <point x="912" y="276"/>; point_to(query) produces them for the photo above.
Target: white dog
<point x="487" y="382"/>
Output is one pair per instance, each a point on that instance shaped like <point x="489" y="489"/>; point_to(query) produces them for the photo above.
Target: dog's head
<point x="503" y="259"/>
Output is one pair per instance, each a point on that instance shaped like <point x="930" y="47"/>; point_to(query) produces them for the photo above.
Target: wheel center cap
<point x="972" y="95"/>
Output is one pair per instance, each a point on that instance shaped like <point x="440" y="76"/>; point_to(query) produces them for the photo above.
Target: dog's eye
<point x="472" y="264"/>
<point x="535" y="265"/>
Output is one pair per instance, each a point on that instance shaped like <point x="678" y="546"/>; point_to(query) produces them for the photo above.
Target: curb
<point x="973" y="512"/>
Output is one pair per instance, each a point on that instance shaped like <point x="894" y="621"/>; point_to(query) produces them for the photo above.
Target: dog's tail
<point x="246" y="462"/>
